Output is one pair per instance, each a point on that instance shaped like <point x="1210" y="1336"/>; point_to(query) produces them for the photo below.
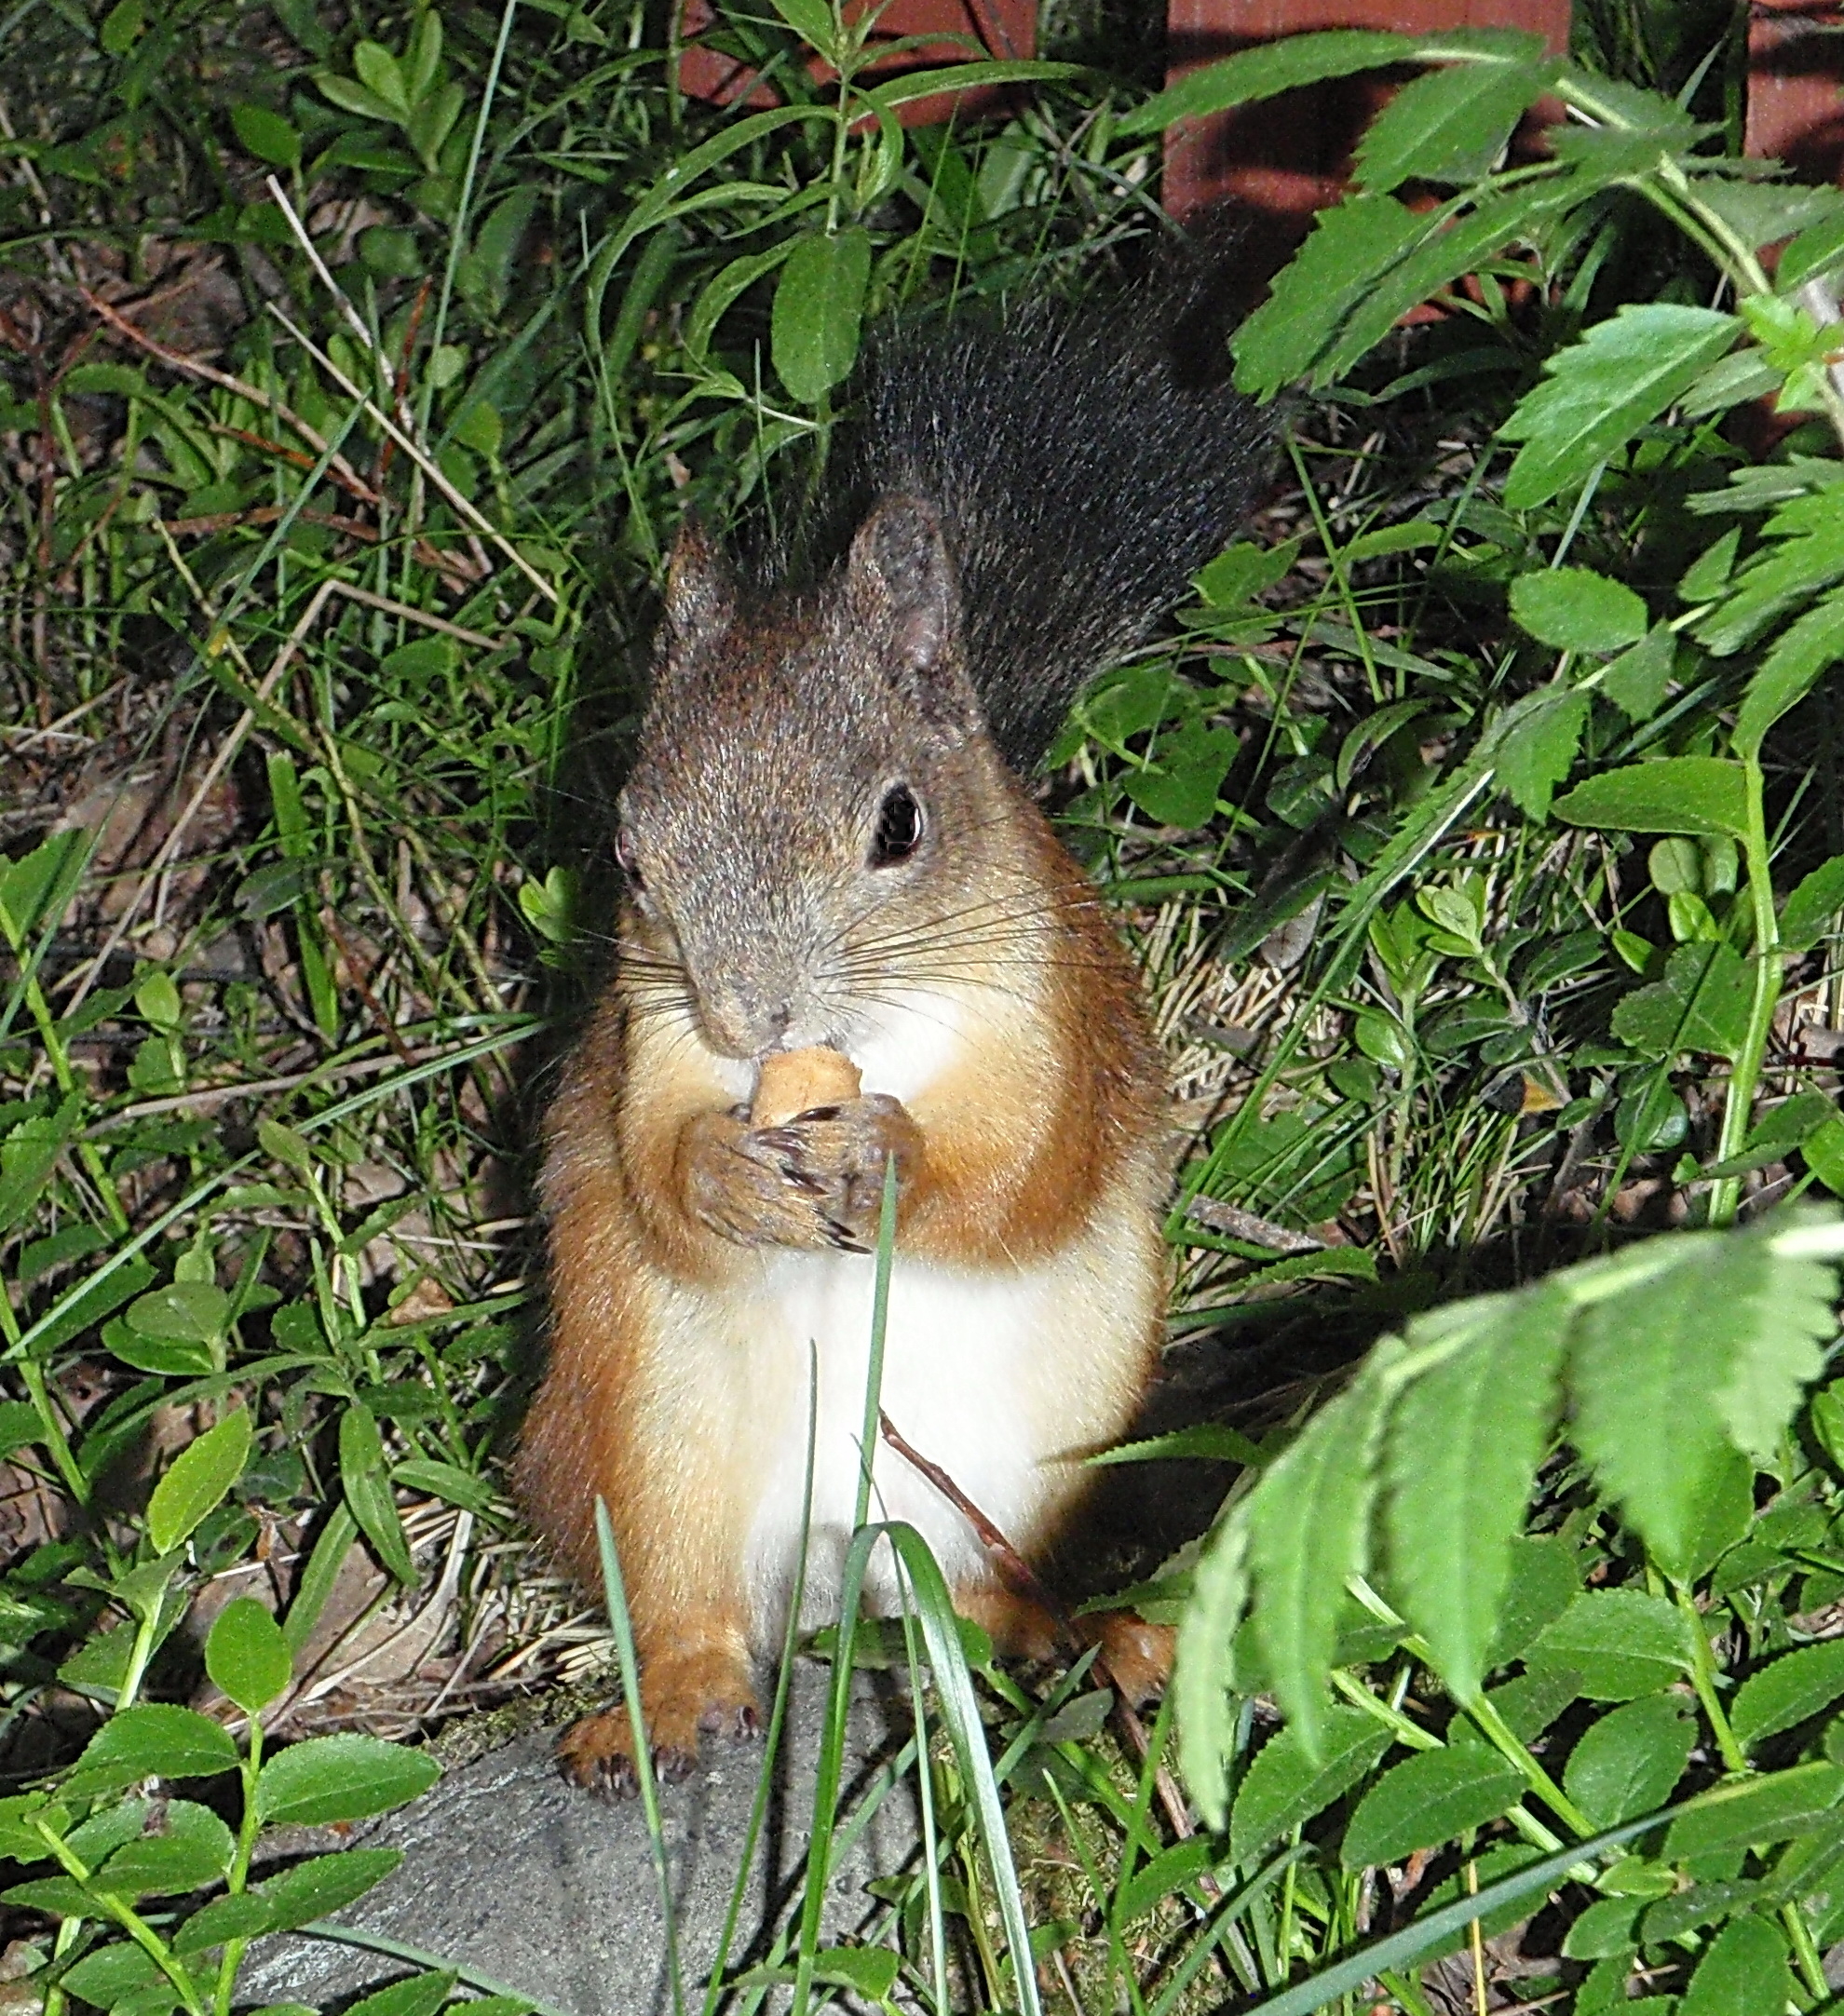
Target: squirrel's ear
<point x="700" y="599"/>
<point x="901" y="580"/>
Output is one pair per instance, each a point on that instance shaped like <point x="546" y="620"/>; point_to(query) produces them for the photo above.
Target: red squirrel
<point x="829" y="842"/>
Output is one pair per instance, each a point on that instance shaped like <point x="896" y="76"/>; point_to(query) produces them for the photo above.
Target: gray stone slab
<point x="554" y="1891"/>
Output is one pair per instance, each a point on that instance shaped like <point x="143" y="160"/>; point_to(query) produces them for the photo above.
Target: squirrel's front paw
<point x="838" y="1153"/>
<point x="742" y="1186"/>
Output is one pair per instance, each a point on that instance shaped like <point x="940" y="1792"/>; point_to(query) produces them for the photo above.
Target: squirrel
<point x="829" y="844"/>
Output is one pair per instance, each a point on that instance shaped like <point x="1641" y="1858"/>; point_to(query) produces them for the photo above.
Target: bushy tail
<point x="1085" y="468"/>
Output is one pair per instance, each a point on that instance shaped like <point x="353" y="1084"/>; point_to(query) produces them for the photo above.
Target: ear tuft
<point x="701" y="598"/>
<point x="901" y="581"/>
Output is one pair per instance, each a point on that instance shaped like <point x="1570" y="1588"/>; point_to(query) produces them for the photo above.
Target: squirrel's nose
<point x="738" y="1026"/>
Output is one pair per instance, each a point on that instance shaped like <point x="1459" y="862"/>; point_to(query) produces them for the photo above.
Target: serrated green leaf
<point x="223" y="1918"/>
<point x="110" y="1974"/>
<point x="193" y="1850"/>
<point x="1677" y="794"/>
<point x="1776" y="1808"/>
<point x="1743" y="1972"/>
<point x="28" y="1157"/>
<point x="1266" y="71"/>
<point x="1351" y="247"/>
<point x="155" y="1739"/>
<point x="1791" y="1690"/>
<point x="1786" y="572"/>
<point x="1206" y="1670"/>
<point x="1463" y="1447"/>
<point x="327" y="1883"/>
<point x="819" y="311"/>
<point x="1627" y="1762"/>
<point x="1576" y="609"/>
<point x="1619" y="1643"/>
<point x="1539" y="751"/>
<point x="340" y="1778"/>
<point x="198" y="1482"/>
<point x="1789" y="671"/>
<point x="1284" y="1787"/>
<point x="422" y="1994"/>
<point x="1715" y="1348"/>
<point x="1427" y="1799"/>
<point x="1701" y="1003"/>
<point x="1812" y="908"/>
<point x="34" y="889"/>
<point x="1309" y="1531"/>
<point x="1599" y="392"/>
<point x="247" y="1656"/>
<point x="1450" y="124"/>
<point x="1636" y="681"/>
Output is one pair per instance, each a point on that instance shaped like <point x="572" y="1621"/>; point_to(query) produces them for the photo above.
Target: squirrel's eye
<point x="628" y="854"/>
<point x="899" y="828"/>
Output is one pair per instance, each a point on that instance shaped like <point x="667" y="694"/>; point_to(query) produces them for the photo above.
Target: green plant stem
<point x="1812" y="1966"/>
<point x="1503" y="1740"/>
<point x="32" y="1375"/>
<point x="131" y="1921"/>
<point x="1738" y="1108"/>
<point x="1703" y="1678"/>
<point x="238" y="1879"/>
<point x="147" y="1628"/>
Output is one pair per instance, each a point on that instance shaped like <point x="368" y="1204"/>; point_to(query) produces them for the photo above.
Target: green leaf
<point x="1576" y="609"/>
<point x="1206" y="1667"/>
<point x="1743" y="1972"/>
<point x="1427" y="1799"/>
<point x="1812" y="908"/>
<point x="1637" y="679"/>
<point x="819" y="309"/>
<point x="327" y="1883"/>
<point x="1351" y="247"/>
<point x="267" y="135"/>
<point x="356" y="99"/>
<point x="379" y="73"/>
<point x="340" y="1778"/>
<point x="1539" y="751"/>
<point x="812" y="22"/>
<point x="366" y="1477"/>
<point x="1627" y="1762"/>
<point x="1677" y="794"/>
<point x="1599" y="392"/>
<point x="422" y="1994"/>
<point x="1786" y="573"/>
<point x="1776" y="1808"/>
<point x="154" y="1740"/>
<point x="1544" y="1578"/>
<point x="1308" y="1529"/>
<point x="111" y="1974"/>
<point x="223" y="1918"/>
<point x="122" y="27"/>
<point x="1789" y="671"/>
<point x="1701" y="1003"/>
<point x="1464" y="1444"/>
<point x="1824" y="1151"/>
<point x="1284" y="1787"/>
<point x="445" y="1480"/>
<point x="1266" y="71"/>
<point x="194" y="1849"/>
<point x="1617" y="1643"/>
<point x="1450" y="124"/>
<point x="193" y="1312"/>
<point x="1715" y="1348"/>
<point x="198" y="1482"/>
<point x="34" y="889"/>
<point x="1791" y="1690"/>
<point x="28" y="1157"/>
<point x="247" y="1656"/>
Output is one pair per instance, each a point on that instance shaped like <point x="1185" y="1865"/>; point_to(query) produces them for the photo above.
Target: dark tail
<point x="1086" y="462"/>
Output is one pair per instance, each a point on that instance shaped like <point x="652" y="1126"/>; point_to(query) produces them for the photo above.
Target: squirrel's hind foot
<point x="709" y="1696"/>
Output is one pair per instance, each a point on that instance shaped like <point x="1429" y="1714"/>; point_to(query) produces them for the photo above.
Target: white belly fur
<point x="1004" y="1377"/>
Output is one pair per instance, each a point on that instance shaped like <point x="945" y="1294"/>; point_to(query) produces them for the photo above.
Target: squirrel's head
<point x="814" y="789"/>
